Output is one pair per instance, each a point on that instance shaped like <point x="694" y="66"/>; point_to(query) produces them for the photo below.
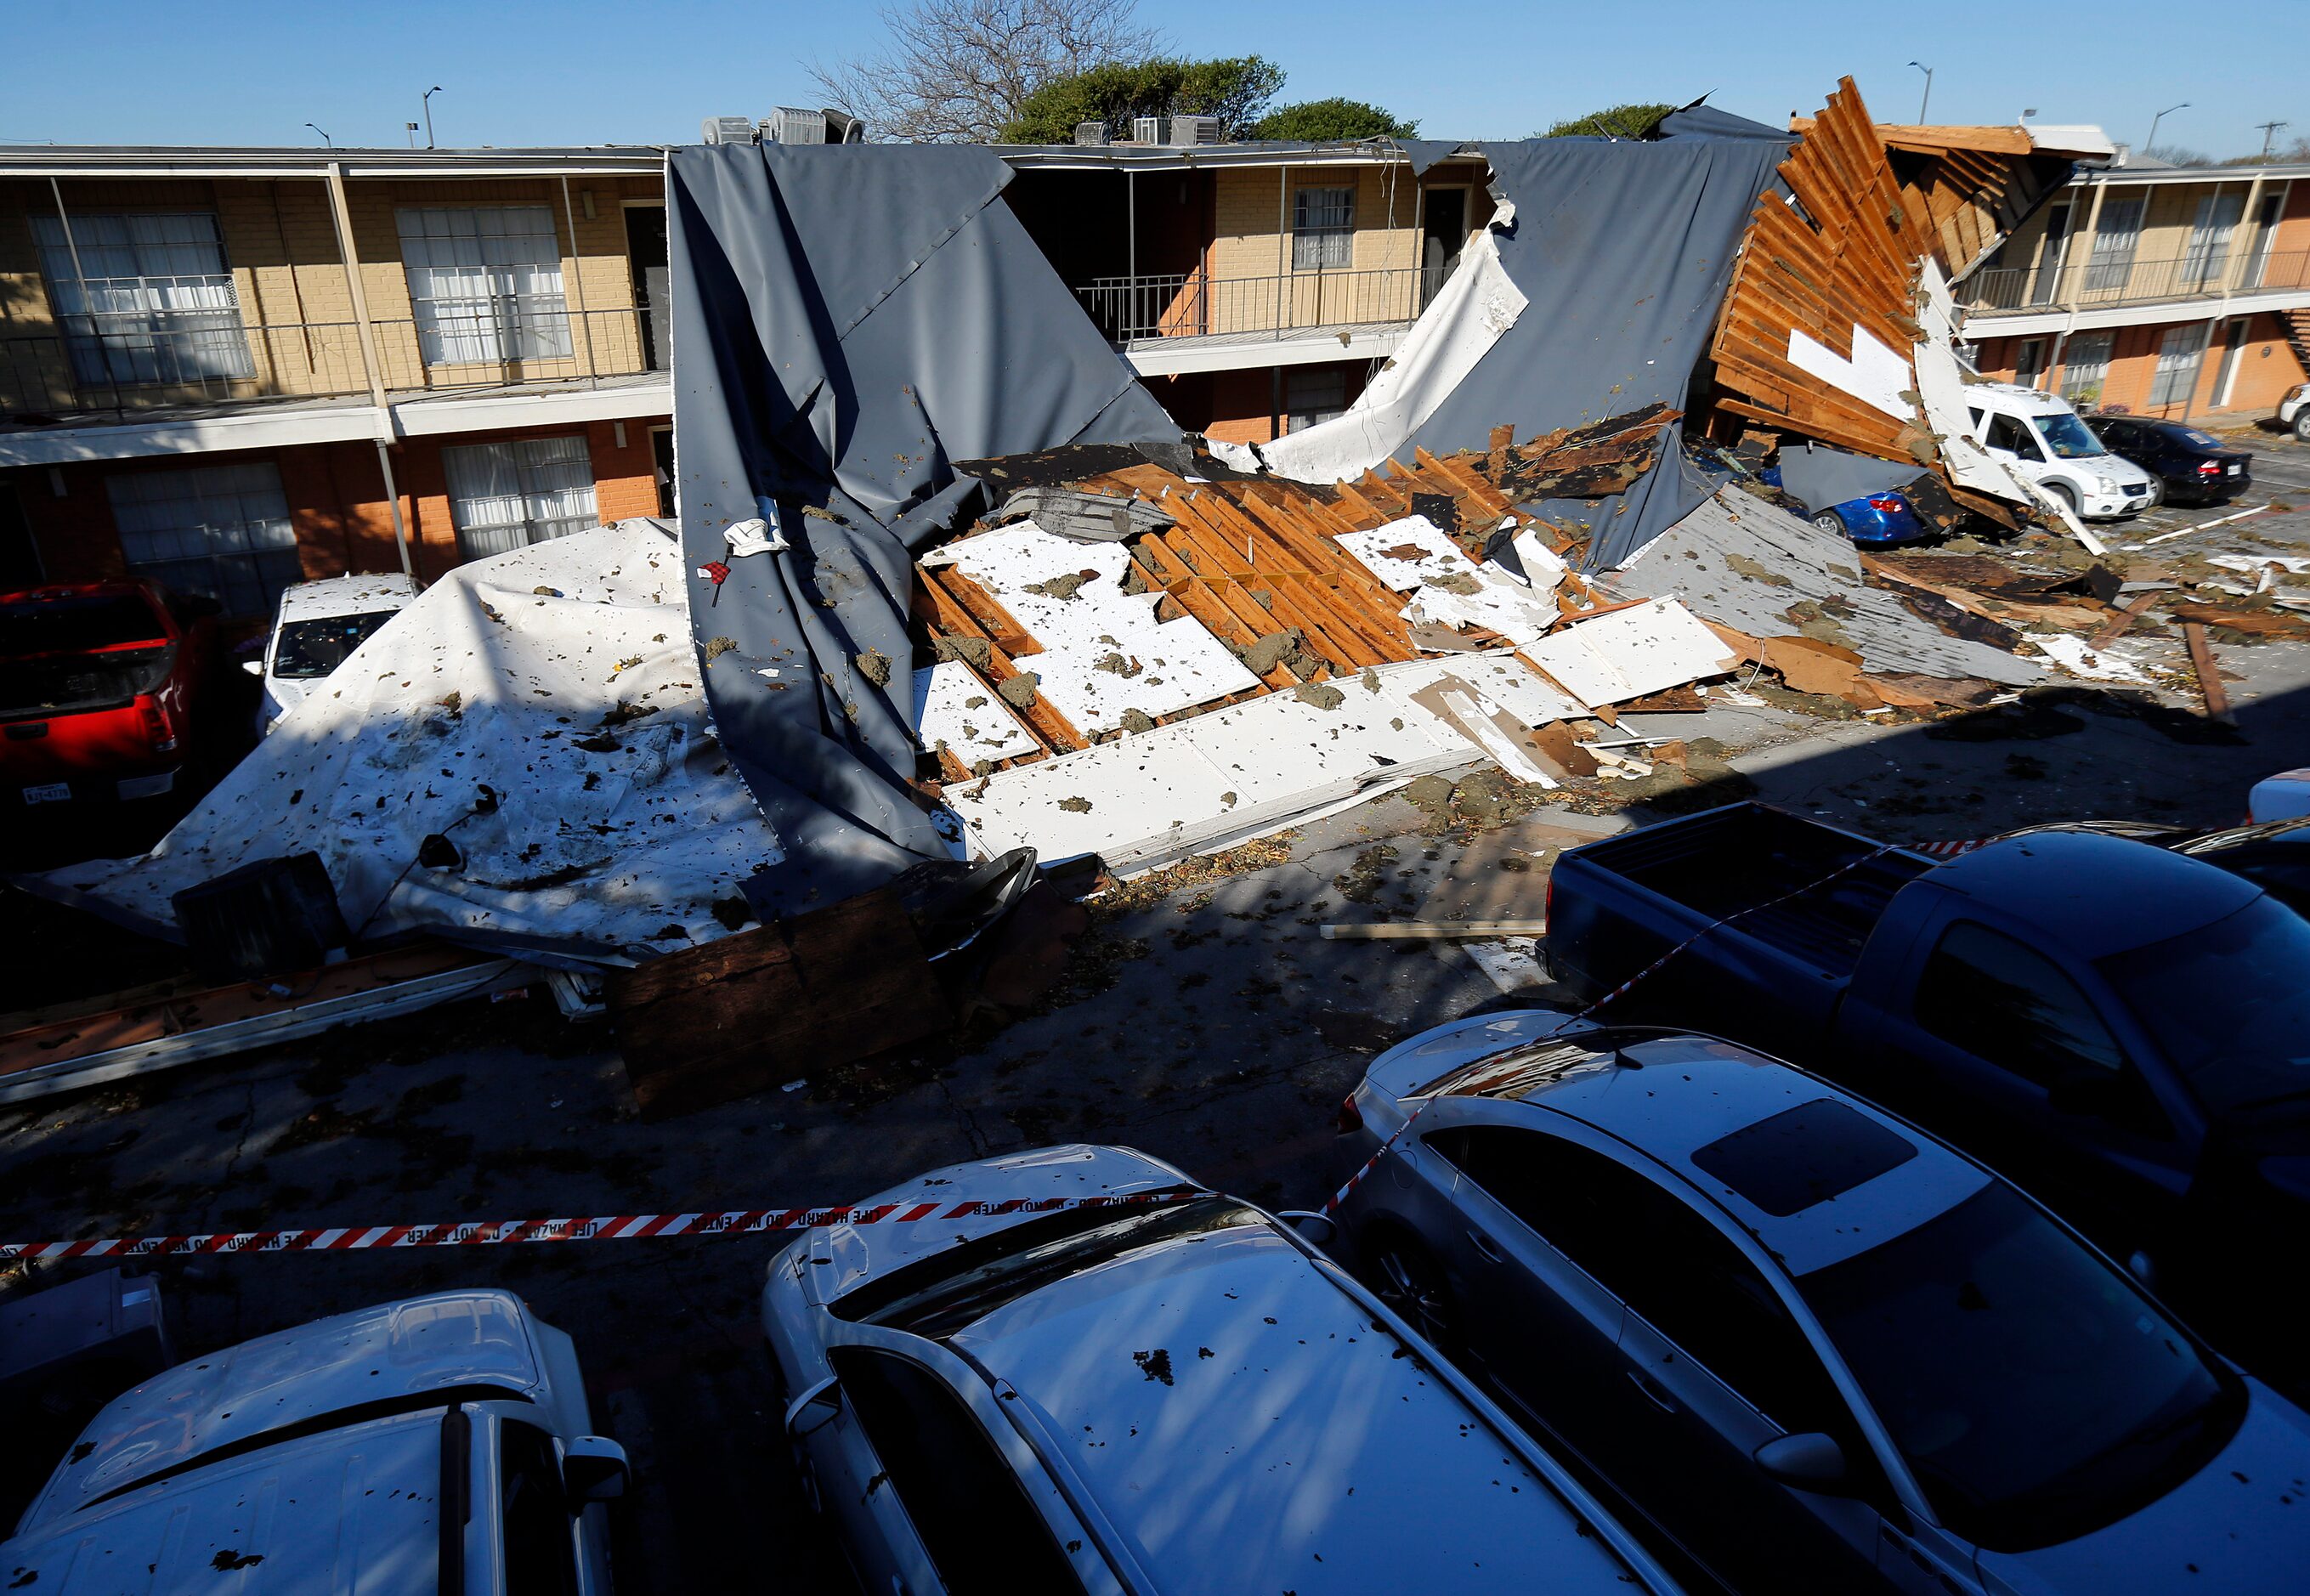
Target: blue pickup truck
<point x="2123" y="1030"/>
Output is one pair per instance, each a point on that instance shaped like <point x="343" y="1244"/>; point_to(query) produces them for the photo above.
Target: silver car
<point x="1175" y="1396"/>
<point x="1815" y="1347"/>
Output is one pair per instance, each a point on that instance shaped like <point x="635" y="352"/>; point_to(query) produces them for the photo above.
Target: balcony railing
<point x="149" y="361"/>
<point x="1189" y="304"/>
<point x="2123" y="282"/>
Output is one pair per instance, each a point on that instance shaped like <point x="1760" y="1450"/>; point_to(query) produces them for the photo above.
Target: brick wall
<point x="2265" y="368"/>
<point x="1238" y="401"/>
<point x="1246" y="243"/>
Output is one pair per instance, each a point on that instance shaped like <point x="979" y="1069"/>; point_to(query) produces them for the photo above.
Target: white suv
<point x="2294" y="411"/>
<point x="2039" y="436"/>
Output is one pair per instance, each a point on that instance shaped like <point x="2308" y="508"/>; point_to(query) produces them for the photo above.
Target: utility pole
<point x="1927" y="99"/>
<point x="2270" y="132"/>
<point x="428" y="102"/>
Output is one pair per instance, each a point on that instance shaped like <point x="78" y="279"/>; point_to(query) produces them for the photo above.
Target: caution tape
<point x="1950" y="850"/>
<point x="493" y="1233"/>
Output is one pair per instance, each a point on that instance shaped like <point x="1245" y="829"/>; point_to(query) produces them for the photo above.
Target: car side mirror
<point x="255" y="667"/>
<point x="1809" y="1461"/>
<point x="815" y="1407"/>
<point x="594" y="1469"/>
<point x="1319" y="1228"/>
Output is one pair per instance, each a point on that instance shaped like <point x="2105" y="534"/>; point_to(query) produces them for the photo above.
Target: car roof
<point x="1243" y="1425"/>
<point x="2012" y="397"/>
<point x="1674" y="1097"/>
<point x="2086" y="891"/>
<point x="296" y="1377"/>
<point x="349" y="1510"/>
<point x="345" y="596"/>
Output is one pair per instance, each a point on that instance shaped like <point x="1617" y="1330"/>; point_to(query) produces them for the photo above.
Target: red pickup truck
<point x="99" y="684"/>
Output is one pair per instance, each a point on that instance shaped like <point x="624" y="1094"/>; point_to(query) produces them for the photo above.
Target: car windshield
<point x="313" y="648"/>
<point x="2229" y="1003"/>
<point x="75" y="623"/>
<point x="2036" y="1394"/>
<point x="2068" y="438"/>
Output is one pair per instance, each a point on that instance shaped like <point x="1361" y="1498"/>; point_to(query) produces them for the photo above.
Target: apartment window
<point x="2179" y="352"/>
<point x="1322" y="229"/>
<point x="2210" y="240"/>
<point x="2114" y="241"/>
<point x="2029" y="362"/>
<point x="220" y="531"/>
<point x="2085" y="367"/>
<point x="505" y="495"/>
<point x="1316" y="395"/>
<point x="143" y="298"/>
<point x="485" y="281"/>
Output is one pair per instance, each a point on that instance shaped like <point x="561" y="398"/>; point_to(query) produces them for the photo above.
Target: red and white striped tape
<point x="1950" y="850"/>
<point x="486" y="1233"/>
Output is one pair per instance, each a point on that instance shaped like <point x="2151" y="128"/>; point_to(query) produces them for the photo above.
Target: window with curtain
<point x="2210" y="240"/>
<point x="505" y="495"/>
<point x="485" y="283"/>
<point x="220" y="531"/>
<point x="1317" y="394"/>
<point x="2085" y="367"/>
<point x="1322" y="229"/>
<point x="148" y="299"/>
<point x="2116" y="240"/>
<point x="2178" y="354"/>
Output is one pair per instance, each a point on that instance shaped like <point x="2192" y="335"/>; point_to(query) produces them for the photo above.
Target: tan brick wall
<point x="1246" y="243"/>
<point x="281" y="246"/>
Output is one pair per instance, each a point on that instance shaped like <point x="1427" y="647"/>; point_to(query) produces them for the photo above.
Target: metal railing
<point x="2123" y="282"/>
<point x="136" y="362"/>
<point x="1189" y="304"/>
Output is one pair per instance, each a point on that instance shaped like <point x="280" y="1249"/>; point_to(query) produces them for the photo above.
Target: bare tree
<point x="955" y="71"/>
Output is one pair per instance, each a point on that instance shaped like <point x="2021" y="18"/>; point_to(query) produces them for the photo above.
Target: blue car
<point x="1874" y="520"/>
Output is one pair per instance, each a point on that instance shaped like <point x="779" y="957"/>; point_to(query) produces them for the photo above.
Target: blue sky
<point x="581" y="72"/>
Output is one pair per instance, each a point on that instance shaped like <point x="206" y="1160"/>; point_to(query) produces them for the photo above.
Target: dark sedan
<point x="2193" y="467"/>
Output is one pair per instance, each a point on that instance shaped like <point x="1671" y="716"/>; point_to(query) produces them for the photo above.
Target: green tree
<point x="1314" y="121"/>
<point x="1236" y="91"/>
<point x="1620" y="122"/>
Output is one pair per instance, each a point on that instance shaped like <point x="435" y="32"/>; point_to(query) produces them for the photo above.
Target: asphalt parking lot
<point x="1204" y="1021"/>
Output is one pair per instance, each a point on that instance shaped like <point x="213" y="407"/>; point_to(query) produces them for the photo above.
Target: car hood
<point x="2116" y="467"/>
<point x="2241" y="1525"/>
<point x="353" y="1360"/>
<point x="851" y="1252"/>
<point x="1429" y="1056"/>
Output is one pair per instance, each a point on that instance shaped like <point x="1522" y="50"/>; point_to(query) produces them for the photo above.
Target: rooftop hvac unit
<point x="1195" y="130"/>
<point x="843" y="128"/>
<point x="787" y="126"/>
<point x="1090" y="133"/>
<point x="1146" y="130"/>
<point x="728" y="130"/>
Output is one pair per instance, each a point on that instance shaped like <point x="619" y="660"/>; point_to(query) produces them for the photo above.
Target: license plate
<point x="2233" y="471"/>
<point x="57" y="792"/>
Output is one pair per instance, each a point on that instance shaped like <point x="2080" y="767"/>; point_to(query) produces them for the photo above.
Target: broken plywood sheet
<point x="1246" y="769"/>
<point x="1413" y="556"/>
<point x="953" y="707"/>
<point x="1747" y="564"/>
<point x="1157" y="671"/>
<point x="1630" y="653"/>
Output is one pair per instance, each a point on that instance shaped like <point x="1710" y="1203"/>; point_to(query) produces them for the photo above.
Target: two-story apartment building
<point x="2177" y="291"/>
<point x="1254" y="286"/>
<point x="236" y="368"/>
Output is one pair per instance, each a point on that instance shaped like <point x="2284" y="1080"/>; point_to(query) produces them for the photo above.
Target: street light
<point x="427" y="103"/>
<point x="2154" y="121"/>
<point x="325" y="139"/>
<point x="1928" y="97"/>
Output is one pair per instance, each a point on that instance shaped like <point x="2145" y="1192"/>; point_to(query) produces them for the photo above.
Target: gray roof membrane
<point x="1743" y="562"/>
<point x="850" y="319"/>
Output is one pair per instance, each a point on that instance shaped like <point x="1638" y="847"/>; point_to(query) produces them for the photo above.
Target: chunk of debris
<point x="1323" y="694"/>
<point x="1019" y="691"/>
<point x="875" y="666"/>
<point x="976" y="652"/>
<point x="1118" y="665"/>
<point x="1458" y="582"/>
<point x="1134" y="720"/>
<point x="1269" y="651"/>
<point x="1075" y="806"/>
<point x="544" y="592"/>
<point x="455" y="703"/>
<point x="715" y="647"/>
<point x="1062" y="587"/>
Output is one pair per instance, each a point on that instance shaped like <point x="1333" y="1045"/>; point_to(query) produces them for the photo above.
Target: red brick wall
<point x="336" y="500"/>
<point x="2267" y="366"/>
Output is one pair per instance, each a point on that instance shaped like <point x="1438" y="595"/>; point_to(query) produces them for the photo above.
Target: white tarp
<point x="561" y="679"/>
<point x="1457" y="329"/>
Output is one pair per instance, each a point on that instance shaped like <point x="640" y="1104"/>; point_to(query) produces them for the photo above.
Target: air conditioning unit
<point x="727" y="130"/>
<point x="843" y="128"/>
<point x="1189" y="131"/>
<point x="1146" y="130"/>
<point x="787" y="126"/>
<point x="1090" y="133"/>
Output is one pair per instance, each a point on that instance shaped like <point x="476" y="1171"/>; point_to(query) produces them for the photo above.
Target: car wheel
<point x="2065" y="493"/>
<point x="2302" y="424"/>
<point x="1405" y="1276"/>
<point x="1828" y="522"/>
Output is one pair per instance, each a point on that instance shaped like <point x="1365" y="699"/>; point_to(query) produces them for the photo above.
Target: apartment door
<point x="2029" y="362"/>
<point x="1442" y="236"/>
<point x="2265" y="230"/>
<point x="653" y="282"/>
<point x="2051" y="251"/>
<point x="2225" y="374"/>
<point x="19" y="555"/>
<point x="661" y="467"/>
